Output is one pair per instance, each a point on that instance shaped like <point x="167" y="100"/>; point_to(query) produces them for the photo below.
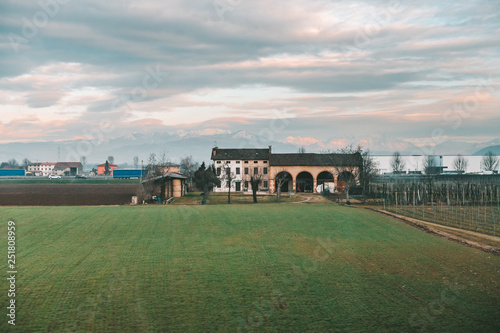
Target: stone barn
<point x="306" y="172"/>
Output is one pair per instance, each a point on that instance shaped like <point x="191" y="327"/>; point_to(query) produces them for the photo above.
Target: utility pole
<point x="142" y="169"/>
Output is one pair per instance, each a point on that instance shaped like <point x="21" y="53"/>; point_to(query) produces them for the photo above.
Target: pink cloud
<point x="300" y="141"/>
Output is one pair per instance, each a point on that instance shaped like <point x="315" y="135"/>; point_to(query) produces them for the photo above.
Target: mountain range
<point x="199" y="144"/>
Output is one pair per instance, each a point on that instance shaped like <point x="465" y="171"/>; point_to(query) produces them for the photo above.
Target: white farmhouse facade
<point x="242" y="164"/>
<point x="41" y="169"/>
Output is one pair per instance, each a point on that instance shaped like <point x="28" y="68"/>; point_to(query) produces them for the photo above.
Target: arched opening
<point x="344" y="177"/>
<point x="326" y="182"/>
<point x="304" y="182"/>
<point x="284" y="182"/>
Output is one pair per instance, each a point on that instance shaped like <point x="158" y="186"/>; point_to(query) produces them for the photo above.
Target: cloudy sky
<point x="305" y="70"/>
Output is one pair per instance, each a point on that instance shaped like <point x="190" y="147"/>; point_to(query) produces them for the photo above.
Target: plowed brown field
<point x="66" y="194"/>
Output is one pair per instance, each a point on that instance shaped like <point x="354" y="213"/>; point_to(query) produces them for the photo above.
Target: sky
<point x="304" y="70"/>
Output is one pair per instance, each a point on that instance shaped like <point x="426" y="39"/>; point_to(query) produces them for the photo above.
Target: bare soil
<point x="66" y="194"/>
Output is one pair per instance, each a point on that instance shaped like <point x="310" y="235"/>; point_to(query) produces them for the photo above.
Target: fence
<point x="469" y="205"/>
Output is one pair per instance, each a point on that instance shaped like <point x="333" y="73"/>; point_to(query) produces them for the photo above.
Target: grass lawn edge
<point x="449" y="233"/>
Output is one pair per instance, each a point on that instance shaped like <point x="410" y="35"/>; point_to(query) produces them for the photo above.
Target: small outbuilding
<point x="171" y="185"/>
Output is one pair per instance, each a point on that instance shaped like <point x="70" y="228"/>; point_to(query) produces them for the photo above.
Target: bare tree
<point x="369" y="170"/>
<point x="255" y="181"/>
<point x="152" y="167"/>
<point x="397" y="163"/>
<point x="460" y="163"/>
<point x="188" y="168"/>
<point x="256" y="176"/>
<point x="227" y="176"/>
<point x="281" y="178"/>
<point x="490" y="162"/>
<point x="163" y="163"/>
<point x="149" y="186"/>
<point x="136" y="162"/>
<point x="12" y="162"/>
<point x="26" y="162"/>
<point x="156" y="167"/>
<point x="302" y="150"/>
<point x="348" y="164"/>
<point x="111" y="160"/>
<point x="430" y="169"/>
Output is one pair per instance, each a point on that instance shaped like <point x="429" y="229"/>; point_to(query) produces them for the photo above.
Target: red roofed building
<point x="101" y="168"/>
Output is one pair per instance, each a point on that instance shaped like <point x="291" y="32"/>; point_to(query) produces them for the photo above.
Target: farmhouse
<point x="68" y="168"/>
<point x="290" y="172"/>
<point x="242" y="164"/>
<point x="101" y="168"/>
<point x="41" y="169"/>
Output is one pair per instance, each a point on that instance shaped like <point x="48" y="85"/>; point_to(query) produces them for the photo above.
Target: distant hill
<point x="199" y="143"/>
<point x="494" y="149"/>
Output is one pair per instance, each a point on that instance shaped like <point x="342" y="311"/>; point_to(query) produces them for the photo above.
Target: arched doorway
<point x="304" y="182"/>
<point x="344" y="177"/>
<point x="326" y="181"/>
<point x="284" y="181"/>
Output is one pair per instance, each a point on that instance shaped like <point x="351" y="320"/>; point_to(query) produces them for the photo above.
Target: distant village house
<point x="101" y="168"/>
<point x="55" y="168"/>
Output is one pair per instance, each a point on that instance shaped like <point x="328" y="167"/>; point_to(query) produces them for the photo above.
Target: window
<point x="255" y="162"/>
<point x="237" y="171"/>
<point x="255" y="171"/>
<point x="218" y="171"/>
<point x="265" y="162"/>
<point x="246" y="162"/>
<point x="238" y="162"/>
<point x="265" y="183"/>
<point x="246" y="171"/>
<point x="219" y="162"/>
<point x="228" y="162"/>
<point x="246" y="184"/>
<point x="265" y="171"/>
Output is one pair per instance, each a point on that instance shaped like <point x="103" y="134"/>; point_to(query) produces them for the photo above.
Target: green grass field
<point x="246" y="268"/>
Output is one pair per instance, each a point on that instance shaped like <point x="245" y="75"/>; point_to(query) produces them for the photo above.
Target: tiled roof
<point x="308" y="159"/>
<point x="240" y="154"/>
<point x="297" y="159"/>
<point x="43" y="163"/>
<point x="68" y="165"/>
<point x="171" y="175"/>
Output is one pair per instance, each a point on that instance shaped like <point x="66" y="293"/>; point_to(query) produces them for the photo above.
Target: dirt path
<point x="309" y="199"/>
<point x="465" y="237"/>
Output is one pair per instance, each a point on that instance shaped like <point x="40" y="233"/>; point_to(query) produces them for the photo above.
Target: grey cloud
<point x="115" y="40"/>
